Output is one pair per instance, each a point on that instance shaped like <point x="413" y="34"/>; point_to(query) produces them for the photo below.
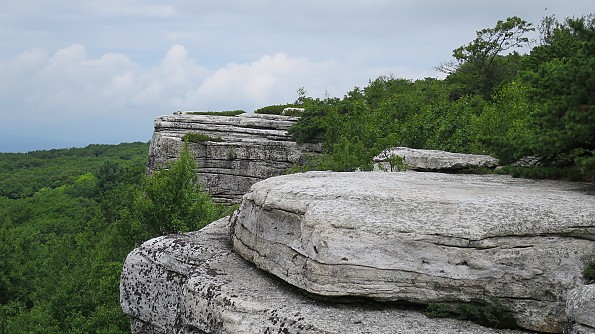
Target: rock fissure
<point x="292" y="211"/>
<point x="225" y="172"/>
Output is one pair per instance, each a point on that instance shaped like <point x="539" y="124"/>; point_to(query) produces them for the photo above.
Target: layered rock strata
<point x="424" y="238"/>
<point x="433" y="160"/>
<point x="244" y="149"/>
<point x="195" y="283"/>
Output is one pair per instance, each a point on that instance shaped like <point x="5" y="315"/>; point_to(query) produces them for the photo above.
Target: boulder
<point x="580" y="308"/>
<point x="424" y="238"/>
<point x="253" y="147"/>
<point x="194" y="283"/>
<point x="433" y="160"/>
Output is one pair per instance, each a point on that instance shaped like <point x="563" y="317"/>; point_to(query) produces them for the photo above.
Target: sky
<point x="74" y="73"/>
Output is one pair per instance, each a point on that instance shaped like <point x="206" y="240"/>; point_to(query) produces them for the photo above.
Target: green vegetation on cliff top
<point x="493" y="101"/>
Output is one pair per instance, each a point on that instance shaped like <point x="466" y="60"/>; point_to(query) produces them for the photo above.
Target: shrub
<point x="311" y="163"/>
<point x="589" y="270"/>
<point x="278" y="110"/>
<point x="231" y="154"/>
<point x="439" y="310"/>
<point x="293" y="111"/>
<point x="491" y="314"/>
<point x="564" y="173"/>
<point x="396" y="164"/>
<point x="270" y="110"/>
<point x="173" y="201"/>
<point x="199" y="138"/>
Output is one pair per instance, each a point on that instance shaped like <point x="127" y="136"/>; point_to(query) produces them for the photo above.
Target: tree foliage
<point x="493" y="101"/>
<point x="482" y="65"/>
<point x="63" y="242"/>
<point x="22" y="174"/>
<point x="172" y="200"/>
<point x="58" y="273"/>
<point x="562" y="80"/>
<point x="492" y="42"/>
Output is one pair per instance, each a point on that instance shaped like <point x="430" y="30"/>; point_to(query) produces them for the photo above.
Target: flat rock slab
<point x="195" y="283"/>
<point x="434" y="160"/>
<point x="424" y="238"/>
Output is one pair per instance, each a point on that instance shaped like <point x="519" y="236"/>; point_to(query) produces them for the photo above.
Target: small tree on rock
<point x="172" y="200"/>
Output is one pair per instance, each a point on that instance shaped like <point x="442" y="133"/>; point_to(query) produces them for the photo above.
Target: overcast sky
<point x="100" y="71"/>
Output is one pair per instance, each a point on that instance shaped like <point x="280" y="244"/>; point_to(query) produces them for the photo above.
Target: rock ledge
<point x="253" y="147"/>
<point x="424" y="238"/>
<point x="433" y="160"/>
<point x="195" y="284"/>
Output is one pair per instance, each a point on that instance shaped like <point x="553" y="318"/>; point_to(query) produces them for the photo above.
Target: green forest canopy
<point x="69" y="217"/>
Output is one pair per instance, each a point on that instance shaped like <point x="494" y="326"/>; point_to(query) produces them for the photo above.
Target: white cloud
<point x="120" y="63"/>
<point x="179" y="69"/>
<point x="269" y="80"/>
<point x="71" y="84"/>
<point x="122" y="84"/>
<point x="72" y="90"/>
<point x="68" y="83"/>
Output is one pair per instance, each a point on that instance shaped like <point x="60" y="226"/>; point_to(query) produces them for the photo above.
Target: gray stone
<point x="580" y="308"/>
<point x="194" y="283"/>
<point x="434" y="160"/>
<point x="579" y="329"/>
<point x="424" y="238"/>
<point x="254" y="147"/>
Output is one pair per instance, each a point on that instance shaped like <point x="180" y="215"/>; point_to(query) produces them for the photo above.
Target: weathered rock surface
<point x="433" y="160"/>
<point x="424" y="238"/>
<point x="254" y="147"/>
<point x="580" y="308"/>
<point x="194" y="283"/>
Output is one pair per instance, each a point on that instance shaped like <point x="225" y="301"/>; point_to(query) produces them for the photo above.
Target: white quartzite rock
<point x="195" y="284"/>
<point x="424" y="238"/>
<point x="580" y="308"/>
<point x="434" y="160"/>
<point x="254" y="147"/>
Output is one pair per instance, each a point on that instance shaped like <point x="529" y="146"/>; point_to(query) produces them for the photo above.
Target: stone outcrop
<point x="433" y="160"/>
<point x="580" y="308"/>
<point x="424" y="238"/>
<point x="194" y="283"/>
<point x="252" y="148"/>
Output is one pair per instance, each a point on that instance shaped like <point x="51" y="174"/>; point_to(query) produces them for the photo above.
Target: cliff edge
<point x="365" y="243"/>
<point x="232" y="152"/>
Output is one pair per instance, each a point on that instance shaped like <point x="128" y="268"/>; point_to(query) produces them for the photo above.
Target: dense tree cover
<point x="493" y="101"/>
<point x="21" y="175"/>
<point x="64" y="240"/>
<point x="562" y="83"/>
<point x="483" y="61"/>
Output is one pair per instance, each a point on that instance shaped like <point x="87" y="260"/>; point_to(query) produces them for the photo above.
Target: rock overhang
<point x="472" y="207"/>
<point x="423" y="237"/>
<point x="194" y="283"/>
